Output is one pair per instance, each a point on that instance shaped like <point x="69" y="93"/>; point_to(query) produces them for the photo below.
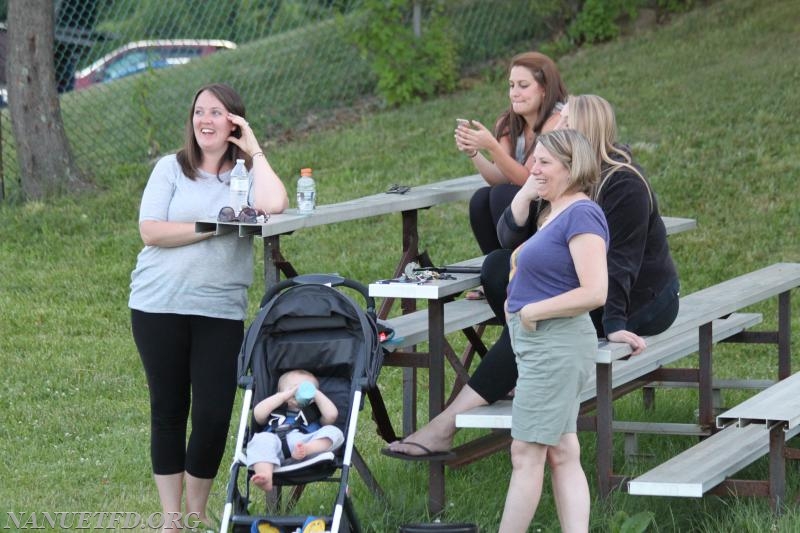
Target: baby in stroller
<point x="298" y="423"/>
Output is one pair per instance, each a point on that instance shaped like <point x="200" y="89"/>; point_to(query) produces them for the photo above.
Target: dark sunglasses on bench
<point x="248" y="215"/>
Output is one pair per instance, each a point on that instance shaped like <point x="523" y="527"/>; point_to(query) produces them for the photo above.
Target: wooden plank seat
<point x="627" y="374"/>
<point x="437" y="294"/>
<point x="631" y="429"/>
<point x="758" y="426"/>
<point x="694" y="312"/>
<point x="696" y="325"/>
<point x="661" y="350"/>
<point x="778" y="404"/>
<point x="706" y="465"/>
<point x="467" y="316"/>
<point x="412" y="328"/>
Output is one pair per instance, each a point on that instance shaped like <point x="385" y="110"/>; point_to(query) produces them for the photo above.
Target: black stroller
<point x="306" y="323"/>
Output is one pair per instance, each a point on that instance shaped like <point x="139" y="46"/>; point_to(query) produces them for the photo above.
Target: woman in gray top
<point x="189" y="294"/>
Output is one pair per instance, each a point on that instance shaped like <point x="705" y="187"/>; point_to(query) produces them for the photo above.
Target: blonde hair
<point x="299" y="371"/>
<point x="594" y="117"/>
<point x="573" y="150"/>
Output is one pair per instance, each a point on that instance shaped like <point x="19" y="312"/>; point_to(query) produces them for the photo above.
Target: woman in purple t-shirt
<point x="557" y="277"/>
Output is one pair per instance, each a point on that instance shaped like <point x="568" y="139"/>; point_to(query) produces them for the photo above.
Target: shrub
<point x="409" y="67"/>
<point x="598" y="20"/>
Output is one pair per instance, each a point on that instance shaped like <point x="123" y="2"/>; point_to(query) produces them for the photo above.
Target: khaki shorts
<point x="554" y="363"/>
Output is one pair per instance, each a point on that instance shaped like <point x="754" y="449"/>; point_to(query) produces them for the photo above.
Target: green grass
<point x="709" y="105"/>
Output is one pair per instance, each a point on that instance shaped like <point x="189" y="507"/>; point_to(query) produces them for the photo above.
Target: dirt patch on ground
<point x="331" y="119"/>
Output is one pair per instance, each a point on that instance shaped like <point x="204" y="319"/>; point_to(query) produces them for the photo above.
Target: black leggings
<point x="496" y="374"/>
<point x="190" y="363"/>
<point x="485" y="208"/>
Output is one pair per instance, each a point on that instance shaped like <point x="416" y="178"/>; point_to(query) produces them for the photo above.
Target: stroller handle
<point x="321" y="279"/>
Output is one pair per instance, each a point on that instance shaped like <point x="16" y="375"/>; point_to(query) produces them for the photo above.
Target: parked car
<point x="139" y="56"/>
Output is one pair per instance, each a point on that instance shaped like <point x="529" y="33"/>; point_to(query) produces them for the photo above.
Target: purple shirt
<point x="542" y="266"/>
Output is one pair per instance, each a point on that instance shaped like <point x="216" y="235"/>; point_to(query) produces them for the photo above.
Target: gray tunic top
<point x="207" y="278"/>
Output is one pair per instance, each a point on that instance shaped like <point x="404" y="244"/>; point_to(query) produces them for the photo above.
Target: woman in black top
<point x="643" y="281"/>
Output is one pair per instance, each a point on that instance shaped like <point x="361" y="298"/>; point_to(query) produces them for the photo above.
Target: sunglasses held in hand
<point x="247" y="215"/>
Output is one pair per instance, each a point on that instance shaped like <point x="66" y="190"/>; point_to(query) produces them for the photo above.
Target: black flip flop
<point x="429" y="455"/>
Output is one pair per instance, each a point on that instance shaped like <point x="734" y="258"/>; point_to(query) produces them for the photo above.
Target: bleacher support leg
<point x="706" y="400"/>
<point x="784" y="335"/>
<point x="605" y="439"/>
<point x="649" y="397"/>
<point x="777" y="468"/>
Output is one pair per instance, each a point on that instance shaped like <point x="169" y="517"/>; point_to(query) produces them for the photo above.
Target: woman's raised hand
<point x="247" y="141"/>
<point x="530" y="189"/>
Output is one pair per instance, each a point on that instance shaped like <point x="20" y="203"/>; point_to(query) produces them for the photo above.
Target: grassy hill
<point x="708" y="103"/>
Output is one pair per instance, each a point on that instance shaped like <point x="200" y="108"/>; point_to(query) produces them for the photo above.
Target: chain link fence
<point x="126" y="70"/>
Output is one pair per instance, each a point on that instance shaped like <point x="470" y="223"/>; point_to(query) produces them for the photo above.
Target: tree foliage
<point x="410" y="66"/>
<point x="598" y="20"/>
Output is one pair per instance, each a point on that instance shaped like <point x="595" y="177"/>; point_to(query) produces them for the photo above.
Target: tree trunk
<point x="43" y="153"/>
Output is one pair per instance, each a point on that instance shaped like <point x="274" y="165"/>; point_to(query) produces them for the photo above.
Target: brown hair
<point x="190" y="156"/>
<point x="545" y="72"/>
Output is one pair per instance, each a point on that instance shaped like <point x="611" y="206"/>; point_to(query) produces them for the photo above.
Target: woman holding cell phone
<point x="503" y="157"/>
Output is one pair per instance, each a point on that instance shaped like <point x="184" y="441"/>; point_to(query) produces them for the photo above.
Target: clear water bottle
<point x="240" y="186"/>
<point x="306" y="192"/>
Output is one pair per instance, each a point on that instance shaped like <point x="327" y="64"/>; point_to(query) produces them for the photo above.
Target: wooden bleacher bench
<point x="661" y="349"/>
<point x="412" y="328"/>
<point x="702" y="467"/>
<point x="706" y="317"/>
<point x="431" y="325"/>
<point x="700" y="323"/>
<point x="759" y="426"/>
<point x="668" y="346"/>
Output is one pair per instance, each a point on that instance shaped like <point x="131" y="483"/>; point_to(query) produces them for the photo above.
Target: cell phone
<point x="464" y="122"/>
<point x="398" y="189"/>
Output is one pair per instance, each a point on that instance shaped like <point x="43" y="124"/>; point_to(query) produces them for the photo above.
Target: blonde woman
<point x="643" y="283"/>
<point x="557" y="276"/>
